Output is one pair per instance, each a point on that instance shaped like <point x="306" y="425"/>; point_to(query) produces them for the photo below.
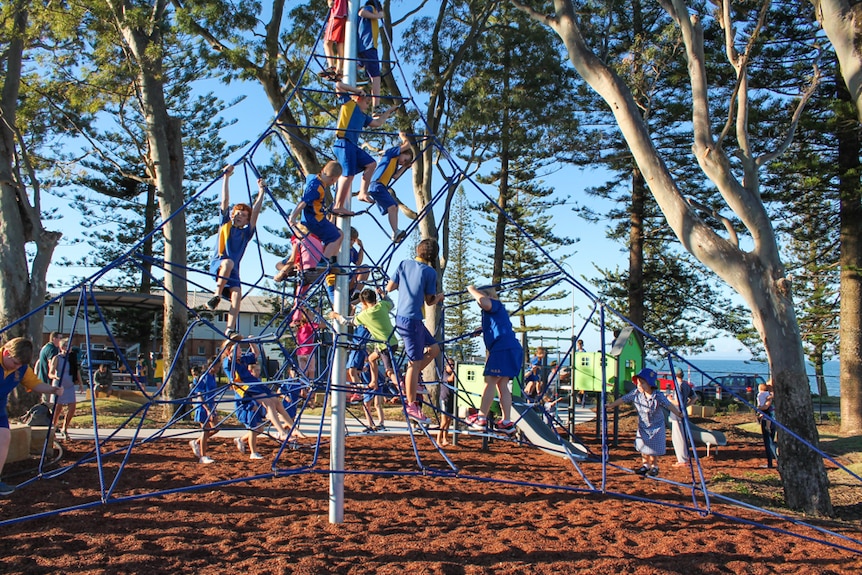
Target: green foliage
<point x="460" y="319"/>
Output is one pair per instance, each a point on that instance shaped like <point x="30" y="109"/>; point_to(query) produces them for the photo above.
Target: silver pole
<point x="338" y="398"/>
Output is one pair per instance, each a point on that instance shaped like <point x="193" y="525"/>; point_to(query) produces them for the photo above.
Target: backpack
<point x="38" y="416"/>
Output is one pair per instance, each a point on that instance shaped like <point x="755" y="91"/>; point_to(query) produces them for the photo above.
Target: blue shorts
<point x="382" y="197"/>
<point x="326" y="231"/>
<point x="232" y="278"/>
<point x="250" y="414"/>
<point x="202" y="415"/>
<point x="356" y="359"/>
<point x="415" y="336"/>
<point x="352" y="158"/>
<point x="504" y="363"/>
<point x="371" y="61"/>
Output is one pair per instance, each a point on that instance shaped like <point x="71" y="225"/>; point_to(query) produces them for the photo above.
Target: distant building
<point x="203" y="342"/>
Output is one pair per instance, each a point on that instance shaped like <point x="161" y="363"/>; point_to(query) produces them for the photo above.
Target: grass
<point x="113" y="412"/>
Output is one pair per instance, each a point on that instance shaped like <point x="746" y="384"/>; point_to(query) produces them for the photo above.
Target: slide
<point x="706" y="437"/>
<point x="537" y="432"/>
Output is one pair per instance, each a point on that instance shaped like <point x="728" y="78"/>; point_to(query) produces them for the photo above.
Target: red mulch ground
<point x="421" y="524"/>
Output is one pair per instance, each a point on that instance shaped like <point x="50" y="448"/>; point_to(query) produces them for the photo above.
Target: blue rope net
<point x="296" y="387"/>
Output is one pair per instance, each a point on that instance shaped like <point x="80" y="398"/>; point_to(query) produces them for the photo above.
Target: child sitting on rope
<point x="236" y="231"/>
<point x="247" y="386"/>
<point x="310" y="207"/>
<point x="352" y="119"/>
<point x="394" y="162"/>
<point x="505" y="356"/>
<point x="416" y="281"/>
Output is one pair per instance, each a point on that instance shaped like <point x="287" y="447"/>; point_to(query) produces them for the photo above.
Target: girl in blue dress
<point x="651" y="438"/>
<point x="504" y="360"/>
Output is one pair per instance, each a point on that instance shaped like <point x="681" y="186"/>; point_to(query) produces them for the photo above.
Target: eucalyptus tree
<point x="732" y="162"/>
<point x="26" y="126"/>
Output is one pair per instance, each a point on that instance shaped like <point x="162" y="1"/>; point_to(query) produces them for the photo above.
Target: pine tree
<point x="460" y="319"/>
<point x="512" y="122"/>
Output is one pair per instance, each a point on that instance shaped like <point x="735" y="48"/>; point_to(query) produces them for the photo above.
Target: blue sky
<point x="254" y="115"/>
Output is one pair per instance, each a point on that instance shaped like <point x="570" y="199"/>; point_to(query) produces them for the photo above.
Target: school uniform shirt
<point x="369" y="28"/>
<point x="387" y="166"/>
<point x="351" y="120"/>
<point x="232" y="241"/>
<point x="313" y="196"/>
<point x="497" y="328"/>
<point x="23" y="375"/>
<point x="415" y="280"/>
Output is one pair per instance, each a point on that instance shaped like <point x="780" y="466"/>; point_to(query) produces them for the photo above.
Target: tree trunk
<point x="21" y="222"/>
<point x="850" y="264"/>
<point x="165" y="167"/>
<point x="842" y="23"/>
<point x="636" y="250"/>
<point x="757" y="275"/>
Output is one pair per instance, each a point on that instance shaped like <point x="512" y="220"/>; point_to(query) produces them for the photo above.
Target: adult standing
<point x="46" y="354"/>
<point x="686" y="395"/>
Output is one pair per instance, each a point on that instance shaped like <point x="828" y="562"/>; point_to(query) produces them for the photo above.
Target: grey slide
<point x="537" y="432"/>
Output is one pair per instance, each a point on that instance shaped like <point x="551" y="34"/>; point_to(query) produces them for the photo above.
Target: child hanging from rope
<point x="352" y="119"/>
<point x="505" y="356"/>
<point x="416" y="281"/>
<point x="236" y="231"/>
<point x="310" y="207"/>
<point x="394" y="162"/>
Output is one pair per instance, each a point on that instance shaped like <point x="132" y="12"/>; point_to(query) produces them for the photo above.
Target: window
<point x="221" y="316"/>
<point x="51" y="310"/>
<point x="201" y="350"/>
<point x="255" y="320"/>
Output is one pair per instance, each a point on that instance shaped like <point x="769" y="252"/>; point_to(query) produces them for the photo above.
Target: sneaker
<point x="196" y="448"/>
<point x="398" y="236"/>
<point x="414" y="412"/>
<point x="355" y="398"/>
<point x="233" y="335"/>
<point x="642" y="470"/>
<point x="255" y="455"/>
<point x="379" y="427"/>
<point x="6" y="489"/>
<point x="239" y="444"/>
<point x="207" y="460"/>
<point x="507" y="427"/>
<point x="213" y="302"/>
<point x="653" y="471"/>
<point x="477" y="422"/>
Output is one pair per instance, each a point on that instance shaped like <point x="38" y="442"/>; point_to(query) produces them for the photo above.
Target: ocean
<point x="718" y="367"/>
